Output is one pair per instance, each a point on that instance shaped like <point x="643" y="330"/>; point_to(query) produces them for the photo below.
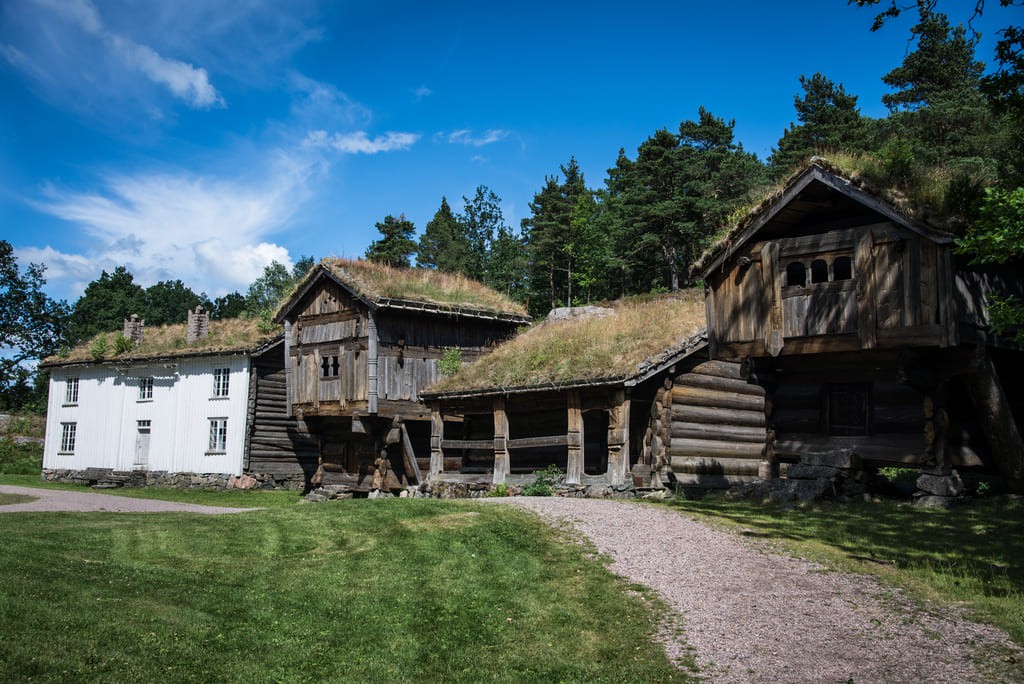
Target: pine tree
<point x="444" y="244"/>
<point x="396" y="245"/>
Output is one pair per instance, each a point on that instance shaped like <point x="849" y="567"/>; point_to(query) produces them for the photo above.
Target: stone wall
<point x="107" y="477"/>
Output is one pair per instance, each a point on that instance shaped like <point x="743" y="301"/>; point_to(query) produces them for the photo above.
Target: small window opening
<point x="842" y="268"/>
<point x="329" y="367"/>
<point x="819" y="271"/>
<point x="796" y="275"/>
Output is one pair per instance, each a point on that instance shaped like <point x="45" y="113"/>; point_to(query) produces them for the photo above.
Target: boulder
<point x="941" y="485"/>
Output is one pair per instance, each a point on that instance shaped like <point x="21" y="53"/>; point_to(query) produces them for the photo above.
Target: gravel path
<point x="65" y="500"/>
<point x="753" y="615"/>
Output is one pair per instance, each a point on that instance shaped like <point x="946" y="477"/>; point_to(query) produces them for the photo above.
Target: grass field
<point x="360" y="590"/>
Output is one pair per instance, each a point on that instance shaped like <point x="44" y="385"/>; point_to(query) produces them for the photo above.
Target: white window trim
<point x="68" y="438"/>
<point x="145" y="382"/>
<point x="70" y="383"/>
<point x="218" y="432"/>
<point x="221" y="383"/>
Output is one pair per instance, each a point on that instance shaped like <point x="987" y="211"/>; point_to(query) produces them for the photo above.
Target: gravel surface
<point x="753" y="615"/>
<point x="85" y="501"/>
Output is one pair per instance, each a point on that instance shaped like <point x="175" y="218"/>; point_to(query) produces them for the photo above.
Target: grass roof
<point x="641" y="334"/>
<point x="230" y="335"/>
<point x="920" y="198"/>
<point x="389" y="286"/>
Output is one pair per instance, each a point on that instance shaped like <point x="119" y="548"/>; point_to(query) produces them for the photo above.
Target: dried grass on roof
<point x="447" y="290"/>
<point x="584" y="350"/>
<point x="230" y="335"/>
<point x="864" y="171"/>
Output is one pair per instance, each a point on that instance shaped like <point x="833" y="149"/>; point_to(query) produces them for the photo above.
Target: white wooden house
<point x="180" y="403"/>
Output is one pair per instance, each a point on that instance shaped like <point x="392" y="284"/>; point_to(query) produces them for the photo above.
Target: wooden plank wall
<point x="717" y="429"/>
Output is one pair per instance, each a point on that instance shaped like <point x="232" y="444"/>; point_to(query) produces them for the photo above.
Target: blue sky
<point x="200" y="140"/>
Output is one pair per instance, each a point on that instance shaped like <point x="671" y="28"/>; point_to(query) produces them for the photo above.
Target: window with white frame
<point x="146" y="389"/>
<point x="71" y="391"/>
<point x="218" y="436"/>
<point x="220" y="381"/>
<point x="67" y="437"/>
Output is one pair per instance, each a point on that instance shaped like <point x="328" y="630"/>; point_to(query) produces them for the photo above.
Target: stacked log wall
<point x="717" y="429"/>
<point x="278" y="445"/>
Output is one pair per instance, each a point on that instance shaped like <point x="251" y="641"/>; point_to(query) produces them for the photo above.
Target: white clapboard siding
<point x="108" y="410"/>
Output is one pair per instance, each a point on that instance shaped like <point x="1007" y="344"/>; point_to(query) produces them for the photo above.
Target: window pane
<point x="819" y="271"/>
<point x="796" y="275"/>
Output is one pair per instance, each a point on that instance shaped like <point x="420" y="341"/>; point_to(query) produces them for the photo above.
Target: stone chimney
<point x="134" y="329"/>
<point x="198" y="325"/>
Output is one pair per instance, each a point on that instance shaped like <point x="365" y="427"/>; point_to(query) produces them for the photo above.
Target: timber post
<point x="502" y="460"/>
<point x="436" y="440"/>
<point x="289" y="379"/>
<point x="574" y="439"/>
<point x="371" y="362"/>
<point x="618" y="437"/>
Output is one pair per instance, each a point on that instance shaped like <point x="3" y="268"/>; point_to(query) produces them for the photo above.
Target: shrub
<point x="545" y="482"/>
<point x="122" y="344"/>
<point x="499" y="490"/>
<point x="451" y="361"/>
<point x="20" y="459"/>
<point x="98" y="349"/>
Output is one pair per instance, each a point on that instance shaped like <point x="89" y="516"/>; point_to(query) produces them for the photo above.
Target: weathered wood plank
<point x="712" y="431"/>
<point x="574" y="470"/>
<point x="694" y="396"/>
<point x="538" y="442"/>
<point x="720" y="384"/>
<point x="707" y="447"/>
<point x="714" y="414"/>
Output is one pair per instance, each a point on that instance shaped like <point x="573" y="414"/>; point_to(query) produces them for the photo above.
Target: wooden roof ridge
<point x="339" y="271"/>
<point x="647" y="369"/>
<point x="820" y="170"/>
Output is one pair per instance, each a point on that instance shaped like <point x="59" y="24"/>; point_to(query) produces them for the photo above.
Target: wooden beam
<point x="412" y="468"/>
<point x="371" y="361"/>
<point x="502" y="461"/>
<point x="436" y="440"/>
<point x="864" y="261"/>
<point x="289" y="377"/>
<point x="771" y="284"/>
<point x="574" y="469"/>
<point x="538" y="442"/>
<point x="618" y="437"/>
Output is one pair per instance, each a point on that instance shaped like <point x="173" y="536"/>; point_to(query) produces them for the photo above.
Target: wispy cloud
<point x="211" y="232"/>
<point x="421" y="93"/>
<point x="467" y="137"/>
<point x="358" y="142"/>
<point x="66" y="48"/>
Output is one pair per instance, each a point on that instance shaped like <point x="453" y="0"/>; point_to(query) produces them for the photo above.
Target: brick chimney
<point x="134" y="329"/>
<point x="198" y="325"/>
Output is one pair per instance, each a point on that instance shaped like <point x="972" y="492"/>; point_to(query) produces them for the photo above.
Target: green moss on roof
<point x="386" y="285"/>
<point x="641" y="333"/>
<point x="921" y="201"/>
<point x="226" y="336"/>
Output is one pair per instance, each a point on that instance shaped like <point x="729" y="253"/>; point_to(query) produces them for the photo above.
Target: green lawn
<point x="971" y="556"/>
<point x="359" y="590"/>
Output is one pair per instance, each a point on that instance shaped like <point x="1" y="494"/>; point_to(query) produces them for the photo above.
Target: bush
<point x="122" y="344"/>
<point x="451" y="361"/>
<point x="545" y="482"/>
<point x="20" y="459"/>
<point x="98" y="349"/>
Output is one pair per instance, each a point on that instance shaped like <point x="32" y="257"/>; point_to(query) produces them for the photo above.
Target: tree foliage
<point x="32" y="326"/>
<point x="169" y="301"/>
<point x="106" y="302"/>
<point x="444" y="244"/>
<point x="396" y="246"/>
<point x="829" y="121"/>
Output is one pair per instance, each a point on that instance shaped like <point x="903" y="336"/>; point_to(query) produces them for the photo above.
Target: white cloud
<point x="65" y="45"/>
<point x="209" y="232"/>
<point x="185" y="81"/>
<point x="467" y="137"/>
<point x="358" y="142"/>
<point x="420" y="93"/>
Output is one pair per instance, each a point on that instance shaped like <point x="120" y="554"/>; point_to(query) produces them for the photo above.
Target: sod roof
<point x="382" y="286"/>
<point x="640" y="337"/>
<point x="169" y="341"/>
<point x="863" y="175"/>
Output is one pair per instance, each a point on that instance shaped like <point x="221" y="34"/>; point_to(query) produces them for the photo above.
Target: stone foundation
<point x="107" y="478"/>
<point x="441" y="489"/>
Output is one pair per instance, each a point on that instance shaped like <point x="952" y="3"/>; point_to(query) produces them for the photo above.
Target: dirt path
<point x="85" y="501"/>
<point x="756" y="616"/>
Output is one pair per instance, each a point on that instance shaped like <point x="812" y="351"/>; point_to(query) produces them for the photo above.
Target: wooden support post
<point x="618" y="437"/>
<point x="769" y="467"/>
<point x="289" y="375"/>
<point x="501" y="456"/>
<point x="371" y="362"/>
<point x="436" y="437"/>
<point x="412" y="468"/>
<point x="936" y="427"/>
<point x="771" y="283"/>
<point x="574" y="438"/>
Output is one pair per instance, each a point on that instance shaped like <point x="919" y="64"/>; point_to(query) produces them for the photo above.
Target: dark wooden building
<point x="361" y="342"/>
<point x="866" y="331"/>
<point x="614" y="396"/>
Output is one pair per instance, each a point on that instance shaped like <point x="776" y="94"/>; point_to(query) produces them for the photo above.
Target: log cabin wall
<point x="708" y="426"/>
<point x="277" y="445"/>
